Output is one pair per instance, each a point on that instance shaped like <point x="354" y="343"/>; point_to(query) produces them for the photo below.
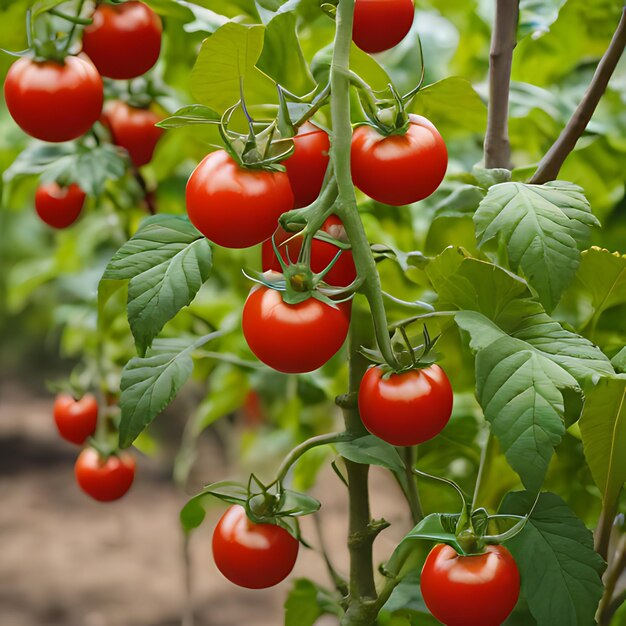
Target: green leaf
<point x="282" y="57"/>
<point x="67" y="163"/>
<point x="370" y="450"/>
<point x="543" y="228"/>
<point x="453" y="106"/>
<point x="227" y="58"/>
<point x="297" y="504"/>
<point x="619" y="361"/>
<point x="167" y="261"/>
<point x="150" y="383"/>
<point x="407" y="598"/>
<point x="560" y="571"/>
<point x="307" y="602"/>
<point x="525" y="361"/>
<point x="194" y="114"/>
<point x="600" y="283"/>
<point x="603" y="430"/>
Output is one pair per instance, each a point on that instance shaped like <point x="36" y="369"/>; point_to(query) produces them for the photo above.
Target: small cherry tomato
<point x="343" y="271"/>
<point x="381" y="24"/>
<point x="479" y="590"/>
<point x="307" y="166"/>
<point x="54" y="101"/>
<point x="236" y="207"/>
<point x="124" y="41"/>
<point x="408" y="408"/>
<point x="104" y="480"/>
<point x="255" y="556"/>
<point x="293" y="338"/>
<point x="133" y="129"/>
<point x="76" y="420"/>
<point x="59" y="207"/>
<point x="399" y="169"/>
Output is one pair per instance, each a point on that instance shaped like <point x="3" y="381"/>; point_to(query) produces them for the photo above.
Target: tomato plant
<point x="399" y="169"/>
<point x="76" y="420"/>
<point x="236" y="207"/>
<point x="103" y="479"/>
<point x="475" y="590"/>
<point x="260" y="255"/>
<point x="57" y="206"/>
<point x="123" y="41"/>
<point x="252" y="555"/>
<point x="133" y="129"/>
<point x="405" y="409"/>
<point x="54" y="101"/>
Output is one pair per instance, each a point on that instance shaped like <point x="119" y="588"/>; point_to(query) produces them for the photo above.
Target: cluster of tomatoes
<point x="103" y="477"/>
<point x="58" y="100"/>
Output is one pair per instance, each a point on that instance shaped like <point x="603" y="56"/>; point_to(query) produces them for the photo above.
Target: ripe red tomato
<point x="59" y="207"/>
<point x="76" y="419"/>
<point x="399" y="169"/>
<point x="236" y="207"/>
<point x="381" y="24"/>
<point x="104" y="481"/>
<point x="307" y="166"/>
<point x="255" y="556"/>
<point x="293" y="338"/>
<point x="53" y="101"/>
<point x="343" y="271"/>
<point x="133" y="129"/>
<point x="124" y="41"/>
<point x="408" y="408"/>
<point x="477" y="590"/>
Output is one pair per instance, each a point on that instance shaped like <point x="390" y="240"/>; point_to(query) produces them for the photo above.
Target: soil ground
<point x="68" y="561"/>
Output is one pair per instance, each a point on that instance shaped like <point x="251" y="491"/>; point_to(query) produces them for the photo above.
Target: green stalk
<point x="346" y="207"/>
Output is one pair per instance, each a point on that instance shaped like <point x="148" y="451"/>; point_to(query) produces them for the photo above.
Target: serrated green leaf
<point x="370" y="450"/>
<point x="543" y="227"/>
<point x="603" y="430"/>
<point x="560" y="571"/>
<point x="525" y="361"/>
<point x="167" y="261"/>
<point x="227" y="58"/>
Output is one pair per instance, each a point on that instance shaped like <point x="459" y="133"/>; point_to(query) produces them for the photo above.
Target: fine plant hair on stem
<point x="497" y="145"/>
<point x="552" y="162"/>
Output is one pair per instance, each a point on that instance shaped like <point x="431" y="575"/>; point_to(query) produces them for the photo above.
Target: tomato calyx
<point x="408" y="357"/>
<point x="263" y="504"/>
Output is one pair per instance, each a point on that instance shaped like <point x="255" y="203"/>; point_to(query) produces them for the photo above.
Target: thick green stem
<point x="615" y="570"/>
<point x="412" y="494"/>
<point x="483" y="468"/>
<point x="346" y="204"/>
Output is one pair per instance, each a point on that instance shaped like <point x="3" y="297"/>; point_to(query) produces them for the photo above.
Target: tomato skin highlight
<point x="399" y="169"/>
<point x="51" y="101"/>
<point x="59" y="207"/>
<point x="306" y="167"/>
<point x="293" y="338"/>
<point x="76" y="420"/>
<point x="255" y="556"/>
<point x="479" y="590"/>
<point x="133" y="129"/>
<point x="104" y="481"/>
<point x="343" y="272"/>
<point x="123" y="41"/>
<point x="408" y="408"/>
<point x="381" y="24"/>
<point x="233" y="206"/>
